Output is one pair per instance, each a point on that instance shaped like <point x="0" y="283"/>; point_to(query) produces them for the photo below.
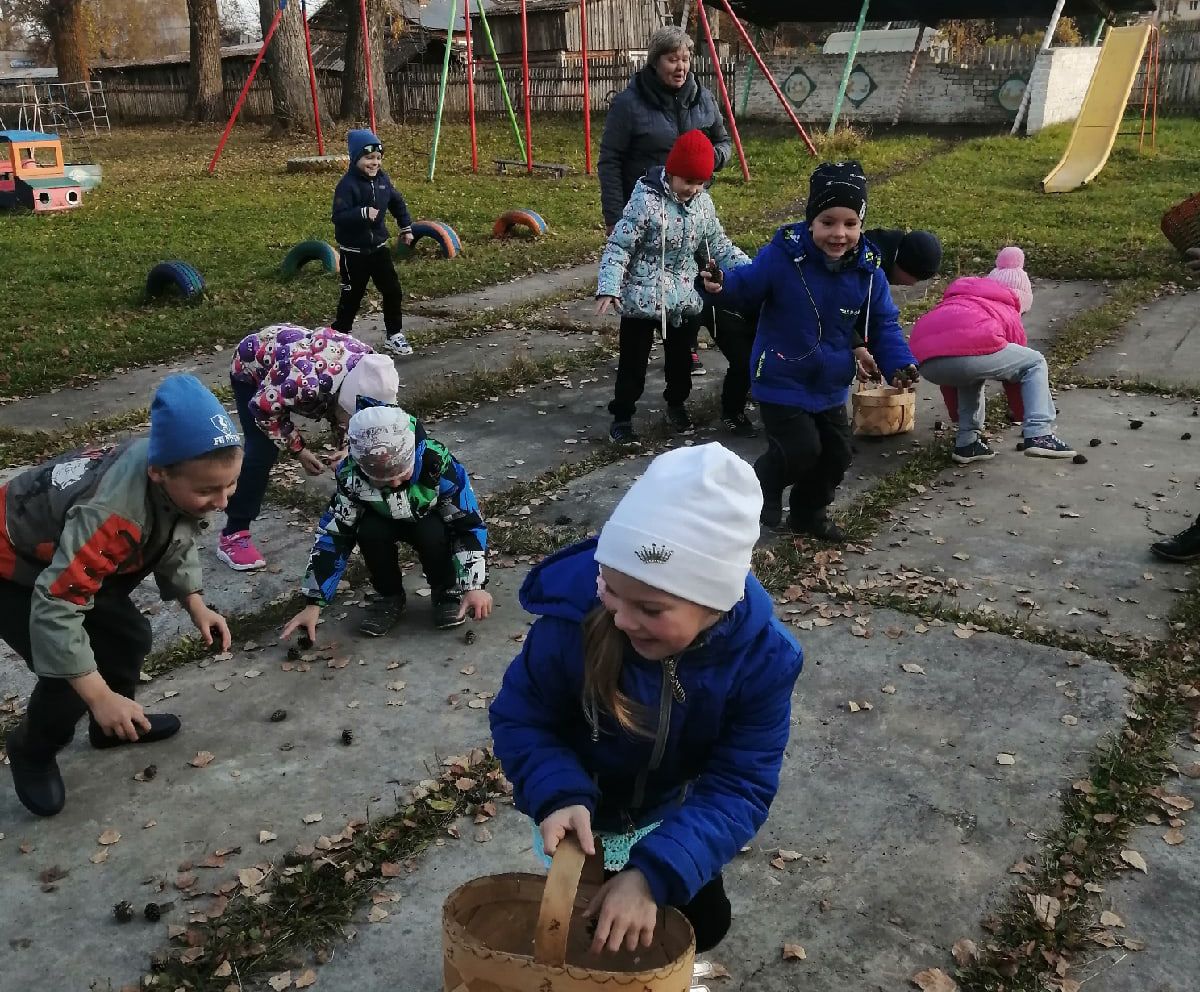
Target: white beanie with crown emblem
<point x="687" y="526"/>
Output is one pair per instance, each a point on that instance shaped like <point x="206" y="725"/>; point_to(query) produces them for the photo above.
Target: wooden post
<point x="587" y="97"/>
<point x="912" y="67"/>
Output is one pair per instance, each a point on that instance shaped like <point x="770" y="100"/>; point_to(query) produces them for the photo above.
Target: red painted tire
<point x="519" y="218"/>
<point x="443" y="234"/>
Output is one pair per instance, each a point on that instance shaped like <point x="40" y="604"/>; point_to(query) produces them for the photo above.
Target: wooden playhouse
<point x="32" y="173"/>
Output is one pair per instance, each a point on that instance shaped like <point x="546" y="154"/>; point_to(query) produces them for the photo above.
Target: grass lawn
<point x="71" y="295"/>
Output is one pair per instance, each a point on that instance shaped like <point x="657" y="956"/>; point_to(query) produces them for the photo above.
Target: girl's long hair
<point x="603" y="655"/>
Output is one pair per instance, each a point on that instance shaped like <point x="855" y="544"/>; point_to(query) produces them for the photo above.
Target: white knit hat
<point x="688" y="526"/>
<point x="383" y="441"/>
<point x="374" y="376"/>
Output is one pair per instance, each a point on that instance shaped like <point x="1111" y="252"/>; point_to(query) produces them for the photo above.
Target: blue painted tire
<point x="519" y="218"/>
<point x="180" y="277"/>
<point x="310" y="251"/>
<point x="447" y="241"/>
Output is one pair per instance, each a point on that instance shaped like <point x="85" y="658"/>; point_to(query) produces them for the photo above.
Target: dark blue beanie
<point x="837" y="184"/>
<point x="186" y="420"/>
<point x="357" y="140"/>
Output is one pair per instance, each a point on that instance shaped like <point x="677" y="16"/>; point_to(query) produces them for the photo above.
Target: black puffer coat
<point x="645" y="119"/>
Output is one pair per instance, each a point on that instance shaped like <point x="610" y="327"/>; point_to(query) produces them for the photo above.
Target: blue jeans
<point x="257" y="462"/>
<point x="1012" y="363"/>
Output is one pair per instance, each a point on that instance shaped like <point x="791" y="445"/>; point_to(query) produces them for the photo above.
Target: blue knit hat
<point x="358" y="140"/>
<point x="186" y="420"/>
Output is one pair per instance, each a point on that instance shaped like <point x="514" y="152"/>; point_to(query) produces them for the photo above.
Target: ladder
<point x="663" y="9"/>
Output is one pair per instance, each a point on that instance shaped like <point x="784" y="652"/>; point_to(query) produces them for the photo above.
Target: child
<point x="647" y="272"/>
<point x="812" y="281"/>
<point x="79" y="534"/>
<point x="975" y="334"/>
<point x="650" y="704"/>
<point x="283" y="370"/>
<point x="360" y="227"/>
<point x="399" y="486"/>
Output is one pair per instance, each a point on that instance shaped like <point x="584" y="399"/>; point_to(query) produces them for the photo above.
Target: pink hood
<point x="977" y="316"/>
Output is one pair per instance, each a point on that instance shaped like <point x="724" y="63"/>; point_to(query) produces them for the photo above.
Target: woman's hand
<point x="606" y="303"/>
<point x="312" y="463"/>
<point x="868" y="368"/>
<point x="625" y="913"/>
<point x="568" y="820"/>
<point x="905" y="377"/>
<point x="306" y="618"/>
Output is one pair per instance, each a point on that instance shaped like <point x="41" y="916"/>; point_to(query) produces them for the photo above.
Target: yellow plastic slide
<point x="1103" y="107"/>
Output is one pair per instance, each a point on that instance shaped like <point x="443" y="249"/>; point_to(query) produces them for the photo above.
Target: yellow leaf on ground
<point x="1134" y="860"/>
<point x="109" y="837"/>
<point x="794" y="952"/>
<point x="934" y="980"/>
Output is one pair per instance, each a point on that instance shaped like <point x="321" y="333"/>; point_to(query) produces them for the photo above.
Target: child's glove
<point x="905" y="377"/>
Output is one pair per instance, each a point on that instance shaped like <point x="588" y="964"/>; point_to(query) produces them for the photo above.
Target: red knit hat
<point x="691" y="157"/>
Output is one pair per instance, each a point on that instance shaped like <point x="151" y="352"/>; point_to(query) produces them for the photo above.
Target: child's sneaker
<point x="383" y="614"/>
<point x="445" y="611"/>
<point x="622" y="432"/>
<point x="398" y="344"/>
<point x="976" y="451"/>
<point x="239" y="552"/>
<point x="698" y="366"/>
<point x="740" y="426"/>
<point x="680" y="420"/>
<point x="1048" y="446"/>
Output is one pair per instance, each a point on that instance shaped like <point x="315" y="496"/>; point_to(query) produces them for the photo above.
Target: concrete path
<point x="904" y="823"/>
<point x="1161" y="345"/>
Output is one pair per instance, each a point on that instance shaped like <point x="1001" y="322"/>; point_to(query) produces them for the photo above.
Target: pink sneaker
<point x="239" y="552"/>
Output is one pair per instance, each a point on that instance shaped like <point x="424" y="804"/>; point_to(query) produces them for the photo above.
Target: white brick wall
<point x="1058" y="84"/>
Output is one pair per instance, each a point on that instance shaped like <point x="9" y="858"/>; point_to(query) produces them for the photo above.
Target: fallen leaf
<point x="790" y="855"/>
<point x="912" y="668"/>
<point x="1191" y="771"/>
<point x="1111" y="919"/>
<point x="853" y="706"/>
<point x="964" y="951"/>
<point x="793" y="952"/>
<point x="1173" y="837"/>
<point x="223" y="970"/>
<point x="202" y="760"/>
<point x="469" y="670"/>
<point x="1133" y="944"/>
<point x="312" y="817"/>
<point x="222" y="685"/>
<point x="482" y="835"/>
<point x="889" y="689"/>
<point x="934" y="980"/>
<point x="1134" y="860"/>
<point x="306" y="978"/>
<point x="281" y="981"/>
<point x="377" y="913"/>
<point x="1068" y="720"/>
<point x="253" y="673"/>
<point x="397" y="685"/>
<point x="1004" y="758"/>
<point x="959" y="556"/>
<point x="963" y="632"/>
<point x="1045" y="908"/>
<point x="390" y="869"/>
<point x="265" y="836"/>
<point x="99" y="857"/>
<point x="109" y="837"/>
<point x="476" y="704"/>
<point x="250" y="877"/>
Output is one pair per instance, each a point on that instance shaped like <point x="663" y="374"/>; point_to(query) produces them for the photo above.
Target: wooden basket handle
<point x="558" y="902"/>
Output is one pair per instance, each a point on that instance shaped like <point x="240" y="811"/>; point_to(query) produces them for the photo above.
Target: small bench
<point x="504" y="165"/>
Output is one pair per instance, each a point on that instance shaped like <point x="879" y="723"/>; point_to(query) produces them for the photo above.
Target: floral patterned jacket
<point x="650" y="262"/>
<point x="294" y="370"/>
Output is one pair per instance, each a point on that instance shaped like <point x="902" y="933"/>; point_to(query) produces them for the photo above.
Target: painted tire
<point x="310" y="251"/>
<point x="519" y="218"/>
<point x="443" y="234"/>
<point x="174" y="275"/>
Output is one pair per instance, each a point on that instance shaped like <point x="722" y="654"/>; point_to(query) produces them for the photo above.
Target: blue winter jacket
<point x="803" y="353"/>
<point x="721" y="739"/>
<point x="353" y="195"/>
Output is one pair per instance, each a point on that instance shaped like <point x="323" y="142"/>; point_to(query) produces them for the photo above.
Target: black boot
<point x="1183" y="547"/>
<point x="35" y="774"/>
<point x="772" y="510"/>
<point x="162" y="726"/>
<point x="820" y="526"/>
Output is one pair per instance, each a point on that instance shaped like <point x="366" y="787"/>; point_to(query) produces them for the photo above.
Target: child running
<point x="398" y="486"/>
<point x="77" y="536"/>
<point x="975" y="334"/>
<point x="361" y="200"/>
<point x="281" y="371"/>
<point x="648" y="273"/>
<point x="650" y="704"/>
<point x="812" y="281"/>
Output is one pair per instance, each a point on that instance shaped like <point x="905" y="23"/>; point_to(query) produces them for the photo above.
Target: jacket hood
<point x="796" y="242"/>
<point x="654" y="91"/>
<point x="357" y="140"/>
<point x="979" y="286"/>
<point x="564" y="586"/>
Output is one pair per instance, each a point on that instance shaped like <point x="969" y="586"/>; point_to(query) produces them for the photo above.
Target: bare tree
<point x="287" y="67"/>
<point x="206" y="80"/>
<point x="355" y="104"/>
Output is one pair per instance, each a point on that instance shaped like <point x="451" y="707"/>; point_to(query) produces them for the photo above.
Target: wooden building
<point x="555" y="26"/>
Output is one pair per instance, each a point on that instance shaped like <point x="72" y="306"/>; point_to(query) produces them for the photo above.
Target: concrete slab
<point x="1161" y="344"/>
<point x="573" y="279"/>
<point x="1057" y="301"/>
<point x="1158" y="908"/>
<point x="1059" y="545"/>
